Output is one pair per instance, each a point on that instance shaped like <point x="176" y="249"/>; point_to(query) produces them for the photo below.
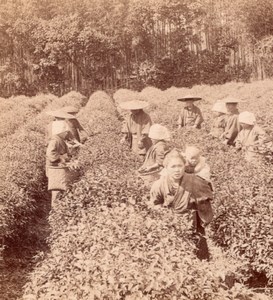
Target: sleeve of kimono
<point x="233" y="127"/>
<point x="261" y="143"/>
<point x="261" y="136"/>
<point x="52" y="152"/>
<point x="222" y="122"/>
<point x="156" y="195"/>
<point x="160" y="155"/>
<point x="181" y="118"/>
<point x="238" y="141"/>
<point x="78" y="125"/>
<point x="204" y="172"/>
<point x="147" y="122"/>
<point x="199" y="188"/>
<point x="124" y="128"/>
<point x="48" y="133"/>
<point x="199" y="120"/>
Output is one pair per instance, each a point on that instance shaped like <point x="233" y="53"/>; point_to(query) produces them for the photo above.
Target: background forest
<point x="58" y="46"/>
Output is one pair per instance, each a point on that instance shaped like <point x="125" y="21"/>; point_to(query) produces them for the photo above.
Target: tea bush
<point x="15" y="112"/>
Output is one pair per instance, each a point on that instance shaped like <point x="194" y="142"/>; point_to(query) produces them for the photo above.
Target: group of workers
<point x="177" y="178"/>
<point x="181" y="178"/>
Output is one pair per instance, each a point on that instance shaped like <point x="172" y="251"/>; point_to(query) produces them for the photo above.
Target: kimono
<point x="56" y="171"/>
<point x="137" y="128"/>
<point x="75" y="126"/>
<point x="252" y="142"/>
<point x="191" y="117"/>
<point x="202" y="169"/>
<point x="191" y="193"/>
<point x="155" y="154"/>
<point x="232" y="128"/>
<point x="218" y="126"/>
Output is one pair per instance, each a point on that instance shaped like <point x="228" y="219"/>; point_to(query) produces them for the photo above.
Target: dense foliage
<point x="108" y="243"/>
<point x="93" y="44"/>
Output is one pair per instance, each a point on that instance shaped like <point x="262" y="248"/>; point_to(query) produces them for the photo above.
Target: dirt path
<point x="19" y="258"/>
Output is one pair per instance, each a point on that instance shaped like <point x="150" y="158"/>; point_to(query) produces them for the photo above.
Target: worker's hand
<point x="179" y="126"/>
<point x="140" y="144"/>
<point x="225" y="142"/>
<point x="142" y="170"/>
<point x="84" y="139"/>
<point x="221" y="136"/>
<point x="66" y="157"/>
<point x="123" y="140"/>
<point x="168" y="201"/>
<point x="73" y="165"/>
<point x="194" y="126"/>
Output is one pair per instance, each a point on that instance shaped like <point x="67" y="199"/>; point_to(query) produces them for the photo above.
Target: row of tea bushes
<point x="16" y="112"/>
<point x="22" y="171"/>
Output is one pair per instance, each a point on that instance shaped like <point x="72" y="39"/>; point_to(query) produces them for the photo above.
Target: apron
<point x="58" y="178"/>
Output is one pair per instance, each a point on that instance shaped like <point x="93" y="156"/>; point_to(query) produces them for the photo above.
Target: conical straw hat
<point x="70" y="109"/>
<point x="231" y="100"/>
<point x="60" y="114"/>
<point x="189" y="98"/>
<point x="134" y="104"/>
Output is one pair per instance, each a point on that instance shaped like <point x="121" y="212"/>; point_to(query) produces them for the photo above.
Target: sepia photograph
<point x="136" y="149"/>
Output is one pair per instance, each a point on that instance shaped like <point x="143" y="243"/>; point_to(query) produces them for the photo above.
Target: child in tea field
<point x="153" y="163"/>
<point x="232" y="126"/>
<point x="182" y="191"/>
<point x="219" y="121"/>
<point x="136" y="128"/>
<point x="252" y="139"/>
<point x="196" y="163"/>
<point x="191" y="115"/>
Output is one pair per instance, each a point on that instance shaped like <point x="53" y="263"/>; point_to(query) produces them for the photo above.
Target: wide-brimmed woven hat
<point x="60" y="114"/>
<point x="70" y="109"/>
<point x="189" y="98"/>
<point x="134" y="104"/>
<point x="159" y="132"/>
<point x="231" y="100"/>
<point x="219" y="107"/>
<point x="247" y="118"/>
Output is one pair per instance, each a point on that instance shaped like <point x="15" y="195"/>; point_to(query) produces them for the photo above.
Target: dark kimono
<point x="155" y="154"/>
<point x="232" y="128"/>
<point x="192" y="193"/>
<point x="137" y="128"/>
<point x="218" y="126"/>
<point x="191" y="117"/>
